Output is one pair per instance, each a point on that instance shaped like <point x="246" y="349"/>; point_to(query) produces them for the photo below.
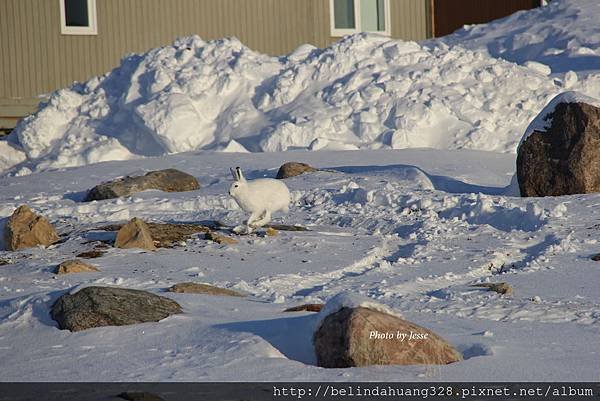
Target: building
<point x="48" y="44"/>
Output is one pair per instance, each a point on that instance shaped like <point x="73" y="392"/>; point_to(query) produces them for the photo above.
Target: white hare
<point x="261" y="198"/>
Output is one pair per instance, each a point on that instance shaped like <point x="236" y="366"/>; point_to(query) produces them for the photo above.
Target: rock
<point x="198" y="288"/>
<point x="350" y="337"/>
<point x="165" y="235"/>
<point x="139" y="396"/>
<point x="500" y="288"/>
<point x="271" y="232"/>
<point x="74" y="266"/>
<point x="286" y="227"/>
<point x="107" y="306"/>
<point x="305" y="307"/>
<point x="596" y="257"/>
<point x="3" y="262"/>
<point x="169" y="180"/>
<point x="135" y="234"/>
<point x="293" y="169"/>
<point x="25" y="229"/>
<point x="562" y="158"/>
<point x="95" y="253"/>
<point x="220" y="239"/>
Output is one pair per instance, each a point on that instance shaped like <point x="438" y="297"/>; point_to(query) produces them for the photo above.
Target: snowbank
<point x="542" y="122"/>
<point x="363" y="92"/>
<point x="564" y="35"/>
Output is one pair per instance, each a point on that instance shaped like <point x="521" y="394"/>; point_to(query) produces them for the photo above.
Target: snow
<point x="407" y="230"/>
<point x="351" y="300"/>
<point x="393" y="225"/>
<point x="543" y="121"/>
<point x="563" y="36"/>
<point x="363" y="92"/>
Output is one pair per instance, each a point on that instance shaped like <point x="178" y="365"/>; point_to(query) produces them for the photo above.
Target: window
<point x="78" y="17"/>
<point x="351" y="16"/>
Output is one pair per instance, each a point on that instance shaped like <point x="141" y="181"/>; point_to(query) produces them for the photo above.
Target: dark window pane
<point x="344" y="14"/>
<point x="76" y="13"/>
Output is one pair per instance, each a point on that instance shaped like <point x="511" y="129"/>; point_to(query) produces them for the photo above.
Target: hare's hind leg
<point x="265" y="218"/>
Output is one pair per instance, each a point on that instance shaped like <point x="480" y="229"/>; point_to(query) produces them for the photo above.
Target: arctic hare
<point x="261" y="198"/>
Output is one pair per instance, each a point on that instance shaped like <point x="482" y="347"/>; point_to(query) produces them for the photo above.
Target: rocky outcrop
<point x="74" y="266"/>
<point x="500" y="288"/>
<point x="293" y="169"/>
<point x="107" y="306"/>
<point x="169" y="180"/>
<point x="25" y="229"/>
<point x="559" y="153"/>
<point x="305" y="308"/>
<point x="361" y="337"/>
<point x="199" y="288"/>
<point x="135" y="234"/>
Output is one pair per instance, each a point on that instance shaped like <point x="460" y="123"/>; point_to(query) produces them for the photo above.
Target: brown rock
<point x="169" y="180"/>
<point x="91" y="254"/>
<point x="305" y="307"/>
<point x="220" y="239"/>
<point x="135" y="234"/>
<point x="108" y="306"/>
<point x="293" y="169"/>
<point x="500" y="288"/>
<point x="271" y="232"/>
<point x="74" y="266"/>
<point x="198" y="288"/>
<point x="596" y="257"/>
<point x="25" y="229"/>
<point x="344" y="339"/>
<point x="565" y="159"/>
<point x="166" y="235"/>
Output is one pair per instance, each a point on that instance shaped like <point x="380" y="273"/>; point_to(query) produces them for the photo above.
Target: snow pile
<point x="543" y="121"/>
<point x="564" y="35"/>
<point x="364" y="91"/>
<point x="352" y="301"/>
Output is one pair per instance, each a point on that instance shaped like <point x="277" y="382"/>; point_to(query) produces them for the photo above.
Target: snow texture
<point x="363" y="92"/>
<point x="352" y="300"/>
<point x="564" y="36"/>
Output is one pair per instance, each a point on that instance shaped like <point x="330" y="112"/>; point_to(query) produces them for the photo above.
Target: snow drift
<point x="564" y="35"/>
<point x="365" y="91"/>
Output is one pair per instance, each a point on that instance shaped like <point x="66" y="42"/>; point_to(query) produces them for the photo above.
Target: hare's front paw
<point x="242" y="229"/>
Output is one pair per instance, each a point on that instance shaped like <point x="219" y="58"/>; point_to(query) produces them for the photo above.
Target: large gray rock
<point x="564" y="157"/>
<point x="169" y="180"/>
<point x="25" y="229"/>
<point x="292" y="169"/>
<point x="346" y="339"/>
<point x="107" y="306"/>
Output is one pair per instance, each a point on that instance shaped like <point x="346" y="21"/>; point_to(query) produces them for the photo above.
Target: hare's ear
<point x="234" y="174"/>
<point x="239" y="174"/>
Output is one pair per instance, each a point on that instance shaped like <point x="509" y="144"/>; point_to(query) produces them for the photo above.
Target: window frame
<point x="91" y="29"/>
<point x="335" y="32"/>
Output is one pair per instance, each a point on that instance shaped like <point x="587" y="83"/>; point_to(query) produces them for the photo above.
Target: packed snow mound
<point x="543" y="122"/>
<point x="565" y="35"/>
<point x="351" y="300"/>
<point x="363" y="92"/>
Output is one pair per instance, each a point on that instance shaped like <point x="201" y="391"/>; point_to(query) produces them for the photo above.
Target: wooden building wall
<point x="35" y="58"/>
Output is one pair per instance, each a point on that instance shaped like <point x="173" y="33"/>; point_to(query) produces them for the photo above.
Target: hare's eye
<point x="236" y="185"/>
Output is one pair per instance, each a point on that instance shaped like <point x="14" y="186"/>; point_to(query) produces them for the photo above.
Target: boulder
<point x="107" y="306"/>
<point x="361" y="337"/>
<point x="293" y="169"/>
<point x="25" y="229"/>
<point x="271" y="232"/>
<point x="139" y="396"/>
<point x="166" y="235"/>
<point x="94" y="253"/>
<point x="169" y="180"/>
<point x="198" y="288"/>
<point x="558" y="154"/>
<point x="135" y="234"/>
<point x="74" y="266"/>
